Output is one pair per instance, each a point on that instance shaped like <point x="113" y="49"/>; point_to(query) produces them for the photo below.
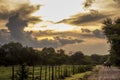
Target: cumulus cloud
<point x="18" y="16"/>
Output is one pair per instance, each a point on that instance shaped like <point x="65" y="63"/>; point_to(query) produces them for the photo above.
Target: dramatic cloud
<point x="79" y="19"/>
<point x="83" y="33"/>
<point x="9" y="7"/>
<point x="56" y="42"/>
<point x="85" y="30"/>
<point x="98" y="33"/>
<point x="16" y="27"/>
<point x="63" y="41"/>
<point x="93" y="34"/>
<point x="90" y="46"/>
<point x="18" y="16"/>
<point x="117" y="1"/>
<point x="88" y="3"/>
<point x="4" y="36"/>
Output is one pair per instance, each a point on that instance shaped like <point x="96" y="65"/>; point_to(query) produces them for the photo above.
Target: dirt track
<point x="106" y="73"/>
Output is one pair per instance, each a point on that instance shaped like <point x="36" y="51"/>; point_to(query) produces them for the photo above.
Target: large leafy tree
<point x="12" y="52"/>
<point x="111" y="29"/>
<point x="77" y="58"/>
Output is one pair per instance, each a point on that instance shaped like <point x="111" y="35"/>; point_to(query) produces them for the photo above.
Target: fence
<point x="44" y="72"/>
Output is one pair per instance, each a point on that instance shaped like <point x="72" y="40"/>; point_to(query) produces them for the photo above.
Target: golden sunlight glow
<point x="55" y="10"/>
<point x="92" y="28"/>
<point x="46" y="37"/>
<point x="55" y="27"/>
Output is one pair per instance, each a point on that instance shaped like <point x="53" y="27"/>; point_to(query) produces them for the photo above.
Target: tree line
<point x="14" y="53"/>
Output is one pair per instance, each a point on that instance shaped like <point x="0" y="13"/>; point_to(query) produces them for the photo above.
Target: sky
<point x="72" y="25"/>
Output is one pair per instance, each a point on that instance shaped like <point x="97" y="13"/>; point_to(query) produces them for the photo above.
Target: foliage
<point x="111" y="29"/>
<point x="22" y="73"/>
<point x="16" y="54"/>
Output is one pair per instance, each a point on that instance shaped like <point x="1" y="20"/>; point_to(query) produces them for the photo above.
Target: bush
<point x="22" y="73"/>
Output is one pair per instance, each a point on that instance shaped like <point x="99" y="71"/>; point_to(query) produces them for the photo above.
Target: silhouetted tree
<point x="112" y="31"/>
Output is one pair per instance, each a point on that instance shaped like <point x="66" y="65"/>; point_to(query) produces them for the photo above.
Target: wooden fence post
<point x="58" y="71"/>
<point x="73" y="69"/>
<point x="33" y="72"/>
<point x="49" y="72"/>
<point x="52" y="72"/>
<point x="46" y="72"/>
<point x="41" y="72"/>
<point x="68" y="70"/>
<point x="61" y="71"/>
<point x="55" y="72"/>
<point x="13" y="72"/>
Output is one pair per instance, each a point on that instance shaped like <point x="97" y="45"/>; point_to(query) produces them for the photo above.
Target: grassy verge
<point x="80" y="76"/>
<point x="84" y="75"/>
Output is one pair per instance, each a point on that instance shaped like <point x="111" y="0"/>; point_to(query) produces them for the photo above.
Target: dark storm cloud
<point x="85" y="18"/>
<point x="4" y="36"/>
<point x="56" y="42"/>
<point x="116" y="6"/>
<point x="47" y="43"/>
<point x="94" y="34"/>
<point x="16" y="27"/>
<point x="10" y="7"/>
<point x="85" y="30"/>
<point x="64" y="41"/>
<point x="88" y="3"/>
<point x="25" y="10"/>
<point x="117" y="1"/>
<point x="84" y="33"/>
<point x="98" y="33"/>
<point x="47" y="33"/>
<point x="18" y="16"/>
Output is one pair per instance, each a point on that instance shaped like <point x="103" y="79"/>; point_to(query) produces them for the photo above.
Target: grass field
<point x="6" y="72"/>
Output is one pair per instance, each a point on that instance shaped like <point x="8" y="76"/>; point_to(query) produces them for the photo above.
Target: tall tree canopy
<point x="111" y="29"/>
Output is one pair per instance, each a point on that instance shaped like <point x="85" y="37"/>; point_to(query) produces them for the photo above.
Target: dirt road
<point x="106" y="73"/>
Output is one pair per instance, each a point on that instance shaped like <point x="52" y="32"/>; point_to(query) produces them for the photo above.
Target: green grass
<point x="82" y="76"/>
<point x="6" y="72"/>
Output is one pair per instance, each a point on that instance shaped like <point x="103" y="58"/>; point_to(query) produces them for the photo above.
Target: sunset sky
<point x="73" y="25"/>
